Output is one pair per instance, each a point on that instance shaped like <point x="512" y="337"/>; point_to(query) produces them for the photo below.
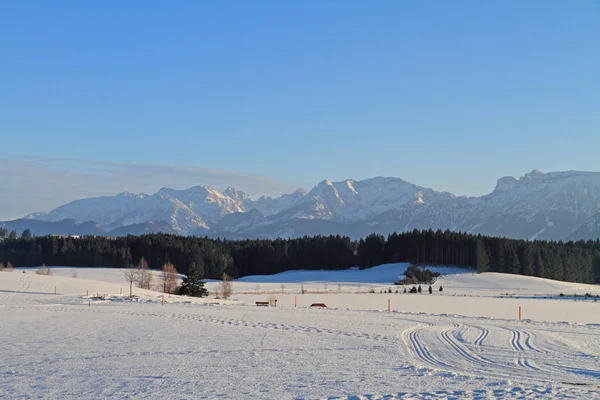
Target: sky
<point x="275" y="95"/>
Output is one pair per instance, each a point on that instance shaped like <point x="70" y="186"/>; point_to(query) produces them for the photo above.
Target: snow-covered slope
<point x="440" y="345"/>
<point x="536" y="206"/>
<point x="589" y="230"/>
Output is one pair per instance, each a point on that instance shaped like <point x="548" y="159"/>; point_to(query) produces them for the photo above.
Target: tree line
<point x="570" y="261"/>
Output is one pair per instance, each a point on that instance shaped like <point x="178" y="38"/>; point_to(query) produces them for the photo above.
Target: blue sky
<point x="449" y="95"/>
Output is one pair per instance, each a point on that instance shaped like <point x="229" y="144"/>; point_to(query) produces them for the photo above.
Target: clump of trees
<point x="569" y="261"/>
<point x="415" y="275"/>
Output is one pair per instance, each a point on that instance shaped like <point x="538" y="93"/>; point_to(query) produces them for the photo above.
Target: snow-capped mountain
<point x="535" y="206"/>
<point x="589" y="230"/>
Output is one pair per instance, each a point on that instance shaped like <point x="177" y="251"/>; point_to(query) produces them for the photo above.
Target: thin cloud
<point x="31" y="184"/>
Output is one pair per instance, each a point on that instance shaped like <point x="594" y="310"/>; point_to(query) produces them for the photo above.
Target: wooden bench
<point x="322" y="305"/>
<point x="262" y="303"/>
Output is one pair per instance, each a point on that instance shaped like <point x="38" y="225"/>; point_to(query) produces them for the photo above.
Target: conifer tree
<point x="481" y="256"/>
<point x="193" y="283"/>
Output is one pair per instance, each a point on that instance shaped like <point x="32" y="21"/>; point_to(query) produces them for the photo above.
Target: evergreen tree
<point x="12" y="235"/>
<point x="481" y="256"/>
<point x="441" y="289"/>
<point x="193" y="283"/>
<point x="539" y="269"/>
<point x="430" y="290"/>
<point x="513" y="265"/>
<point x="3" y="233"/>
<point x="419" y="289"/>
<point x="26" y="234"/>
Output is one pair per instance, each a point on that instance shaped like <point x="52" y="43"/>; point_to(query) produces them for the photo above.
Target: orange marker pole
<point x="519" y="313"/>
<point x="163" y="299"/>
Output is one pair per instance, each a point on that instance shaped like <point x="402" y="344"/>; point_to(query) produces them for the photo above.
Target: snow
<point x="536" y="206"/>
<point x="385" y="274"/>
<point x="446" y="345"/>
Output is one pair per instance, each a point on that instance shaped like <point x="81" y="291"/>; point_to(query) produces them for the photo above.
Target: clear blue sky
<point x="447" y="94"/>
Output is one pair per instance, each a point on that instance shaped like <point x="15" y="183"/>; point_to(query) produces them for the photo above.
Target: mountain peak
<point x="533" y="174"/>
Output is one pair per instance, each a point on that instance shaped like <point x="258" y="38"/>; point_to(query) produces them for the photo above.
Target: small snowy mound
<point x="491" y="283"/>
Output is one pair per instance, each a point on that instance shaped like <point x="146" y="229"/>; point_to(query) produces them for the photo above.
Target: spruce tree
<point x="481" y="256"/>
<point x="26" y="234"/>
<point x="193" y="283"/>
<point x="430" y="290"/>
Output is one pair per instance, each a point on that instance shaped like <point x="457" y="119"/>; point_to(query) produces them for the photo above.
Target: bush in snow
<point x="226" y="289"/>
<point x="413" y="289"/>
<point x="430" y="290"/>
<point x="44" y="270"/>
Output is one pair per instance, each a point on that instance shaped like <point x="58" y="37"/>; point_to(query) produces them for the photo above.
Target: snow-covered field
<point x="465" y="342"/>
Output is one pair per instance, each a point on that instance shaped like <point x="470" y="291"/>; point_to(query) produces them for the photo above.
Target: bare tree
<point x="44" y="270"/>
<point x="1" y="267"/>
<point x="131" y="276"/>
<point x="282" y="288"/>
<point x="9" y="267"/>
<point x="226" y="289"/>
<point x="272" y="301"/>
<point x="169" y="278"/>
<point x="144" y="276"/>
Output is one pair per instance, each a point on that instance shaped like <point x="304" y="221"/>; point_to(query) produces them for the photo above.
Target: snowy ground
<point x="65" y="346"/>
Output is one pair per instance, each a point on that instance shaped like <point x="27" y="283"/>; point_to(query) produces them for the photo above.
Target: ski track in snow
<point x="62" y="347"/>
<point x="437" y="349"/>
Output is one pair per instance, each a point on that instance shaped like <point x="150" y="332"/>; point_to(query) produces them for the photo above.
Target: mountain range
<point x="553" y="206"/>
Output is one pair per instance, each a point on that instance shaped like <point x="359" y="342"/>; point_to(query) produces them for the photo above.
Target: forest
<point x="568" y="261"/>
